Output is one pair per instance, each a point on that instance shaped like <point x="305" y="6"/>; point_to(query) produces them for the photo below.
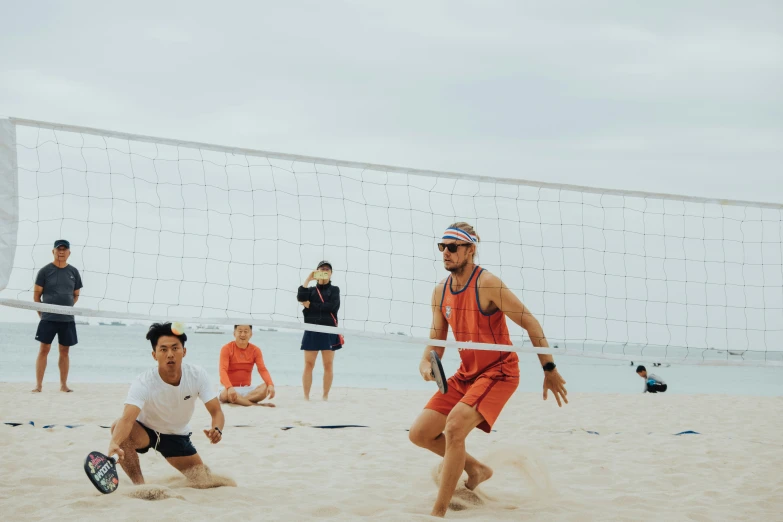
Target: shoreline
<point x="53" y="386"/>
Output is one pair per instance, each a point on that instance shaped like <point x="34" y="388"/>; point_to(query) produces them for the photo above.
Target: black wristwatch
<point x="548" y="367"/>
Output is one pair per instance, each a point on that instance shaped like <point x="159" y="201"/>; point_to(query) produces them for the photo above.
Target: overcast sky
<point x="679" y="97"/>
<point x="673" y="96"/>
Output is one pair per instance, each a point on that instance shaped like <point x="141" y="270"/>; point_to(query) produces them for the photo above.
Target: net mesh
<point x="166" y="229"/>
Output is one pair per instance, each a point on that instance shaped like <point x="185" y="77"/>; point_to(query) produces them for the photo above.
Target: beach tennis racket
<point x="437" y="372"/>
<point x="102" y="472"/>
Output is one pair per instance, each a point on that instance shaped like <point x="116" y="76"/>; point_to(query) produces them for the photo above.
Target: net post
<point x="9" y="199"/>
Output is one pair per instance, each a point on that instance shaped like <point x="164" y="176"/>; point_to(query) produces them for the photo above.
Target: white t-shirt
<point x="165" y="408"/>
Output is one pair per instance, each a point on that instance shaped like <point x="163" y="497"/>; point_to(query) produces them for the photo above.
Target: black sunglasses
<point x="451" y="247"/>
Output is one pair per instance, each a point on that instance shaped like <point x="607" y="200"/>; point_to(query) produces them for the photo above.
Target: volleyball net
<point x="168" y="229"/>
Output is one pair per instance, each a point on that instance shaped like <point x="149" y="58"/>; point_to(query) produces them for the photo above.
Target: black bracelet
<point x="218" y="430"/>
<point x="548" y="367"/>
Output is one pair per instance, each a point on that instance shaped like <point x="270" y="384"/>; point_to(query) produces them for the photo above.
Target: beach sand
<point x="548" y="465"/>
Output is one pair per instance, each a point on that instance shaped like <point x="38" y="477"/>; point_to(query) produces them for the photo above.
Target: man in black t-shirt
<point x="57" y="283"/>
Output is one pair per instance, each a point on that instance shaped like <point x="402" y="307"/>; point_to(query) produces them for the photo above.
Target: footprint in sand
<point x="214" y="481"/>
<point x="470" y="497"/>
<point x="152" y="493"/>
<point x="457" y="506"/>
<point x="465" y="499"/>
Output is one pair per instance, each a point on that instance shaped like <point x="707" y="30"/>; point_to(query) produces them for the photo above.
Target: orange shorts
<point x="488" y="393"/>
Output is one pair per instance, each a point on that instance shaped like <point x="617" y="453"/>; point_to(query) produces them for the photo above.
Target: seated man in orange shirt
<point x="236" y="369"/>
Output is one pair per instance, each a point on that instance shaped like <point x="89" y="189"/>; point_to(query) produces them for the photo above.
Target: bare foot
<point x="65" y="388"/>
<point x="326" y="397"/>
<point x="440" y="513"/>
<point x="37" y="389"/>
<point x="477" y="476"/>
<point x="307" y="398"/>
<point x="266" y="404"/>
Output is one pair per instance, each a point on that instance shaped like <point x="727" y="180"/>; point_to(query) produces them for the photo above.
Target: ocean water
<point x="116" y="354"/>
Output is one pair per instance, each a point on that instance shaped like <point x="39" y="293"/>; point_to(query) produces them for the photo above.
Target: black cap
<point x="62" y="242"/>
<point x="325" y="263"/>
<point x="640" y="368"/>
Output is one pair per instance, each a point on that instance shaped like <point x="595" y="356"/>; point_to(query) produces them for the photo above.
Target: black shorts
<point x="64" y="330"/>
<point x="168" y="445"/>
<point x="656" y="388"/>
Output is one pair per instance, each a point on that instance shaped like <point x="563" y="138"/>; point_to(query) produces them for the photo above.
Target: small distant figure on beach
<point x="57" y="283"/>
<point x="237" y="359"/>
<point x="652" y="383"/>
<point x="320" y="305"/>
<point x="159" y="407"/>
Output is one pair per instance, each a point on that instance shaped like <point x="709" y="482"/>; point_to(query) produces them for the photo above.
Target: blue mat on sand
<point x="337" y="426"/>
<point x="284" y="428"/>
<point x="47" y="426"/>
<point x="325" y="427"/>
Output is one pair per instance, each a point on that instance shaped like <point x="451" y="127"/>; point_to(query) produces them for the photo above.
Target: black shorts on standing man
<point x="57" y="283"/>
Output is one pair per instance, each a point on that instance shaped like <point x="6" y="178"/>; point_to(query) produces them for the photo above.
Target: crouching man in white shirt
<point x="159" y="406"/>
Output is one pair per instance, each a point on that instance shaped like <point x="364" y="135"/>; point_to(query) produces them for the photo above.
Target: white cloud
<point x="559" y="88"/>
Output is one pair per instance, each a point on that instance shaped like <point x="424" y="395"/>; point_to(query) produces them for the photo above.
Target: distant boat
<point x="113" y="323"/>
<point x="209" y="329"/>
<point x="731" y="352"/>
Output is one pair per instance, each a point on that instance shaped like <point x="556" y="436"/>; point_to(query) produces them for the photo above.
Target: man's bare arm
<point x="124" y="425"/>
<point x="214" y="409"/>
<point x="76" y="295"/>
<point x="502" y="297"/>
<point x="215" y="432"/>
<point x="37" y="293"/>
<point x="505" y="300"/>
<point x="438" y="330"/>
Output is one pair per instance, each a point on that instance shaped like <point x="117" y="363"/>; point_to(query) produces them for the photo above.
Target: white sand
<point x="634" y="469"/>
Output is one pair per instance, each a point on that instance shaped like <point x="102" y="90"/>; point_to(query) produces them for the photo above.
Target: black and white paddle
<point x="102" y="472"/>
<point x="437" y="372"/>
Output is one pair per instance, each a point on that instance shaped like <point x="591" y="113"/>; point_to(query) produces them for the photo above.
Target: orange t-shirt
<point x="469" y="323"/>
<point x="236" y="365"/>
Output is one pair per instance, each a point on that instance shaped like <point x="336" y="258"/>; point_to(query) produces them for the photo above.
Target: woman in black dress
<point x="321" y="303"/>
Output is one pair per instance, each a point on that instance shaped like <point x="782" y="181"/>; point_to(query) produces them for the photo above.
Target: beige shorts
<point x="242" y="391"/>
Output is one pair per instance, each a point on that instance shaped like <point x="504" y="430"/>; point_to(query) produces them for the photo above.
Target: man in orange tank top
<point x="474" y="304"/>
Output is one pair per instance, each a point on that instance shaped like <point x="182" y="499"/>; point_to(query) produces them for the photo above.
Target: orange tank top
<point x="469" y="323"/>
